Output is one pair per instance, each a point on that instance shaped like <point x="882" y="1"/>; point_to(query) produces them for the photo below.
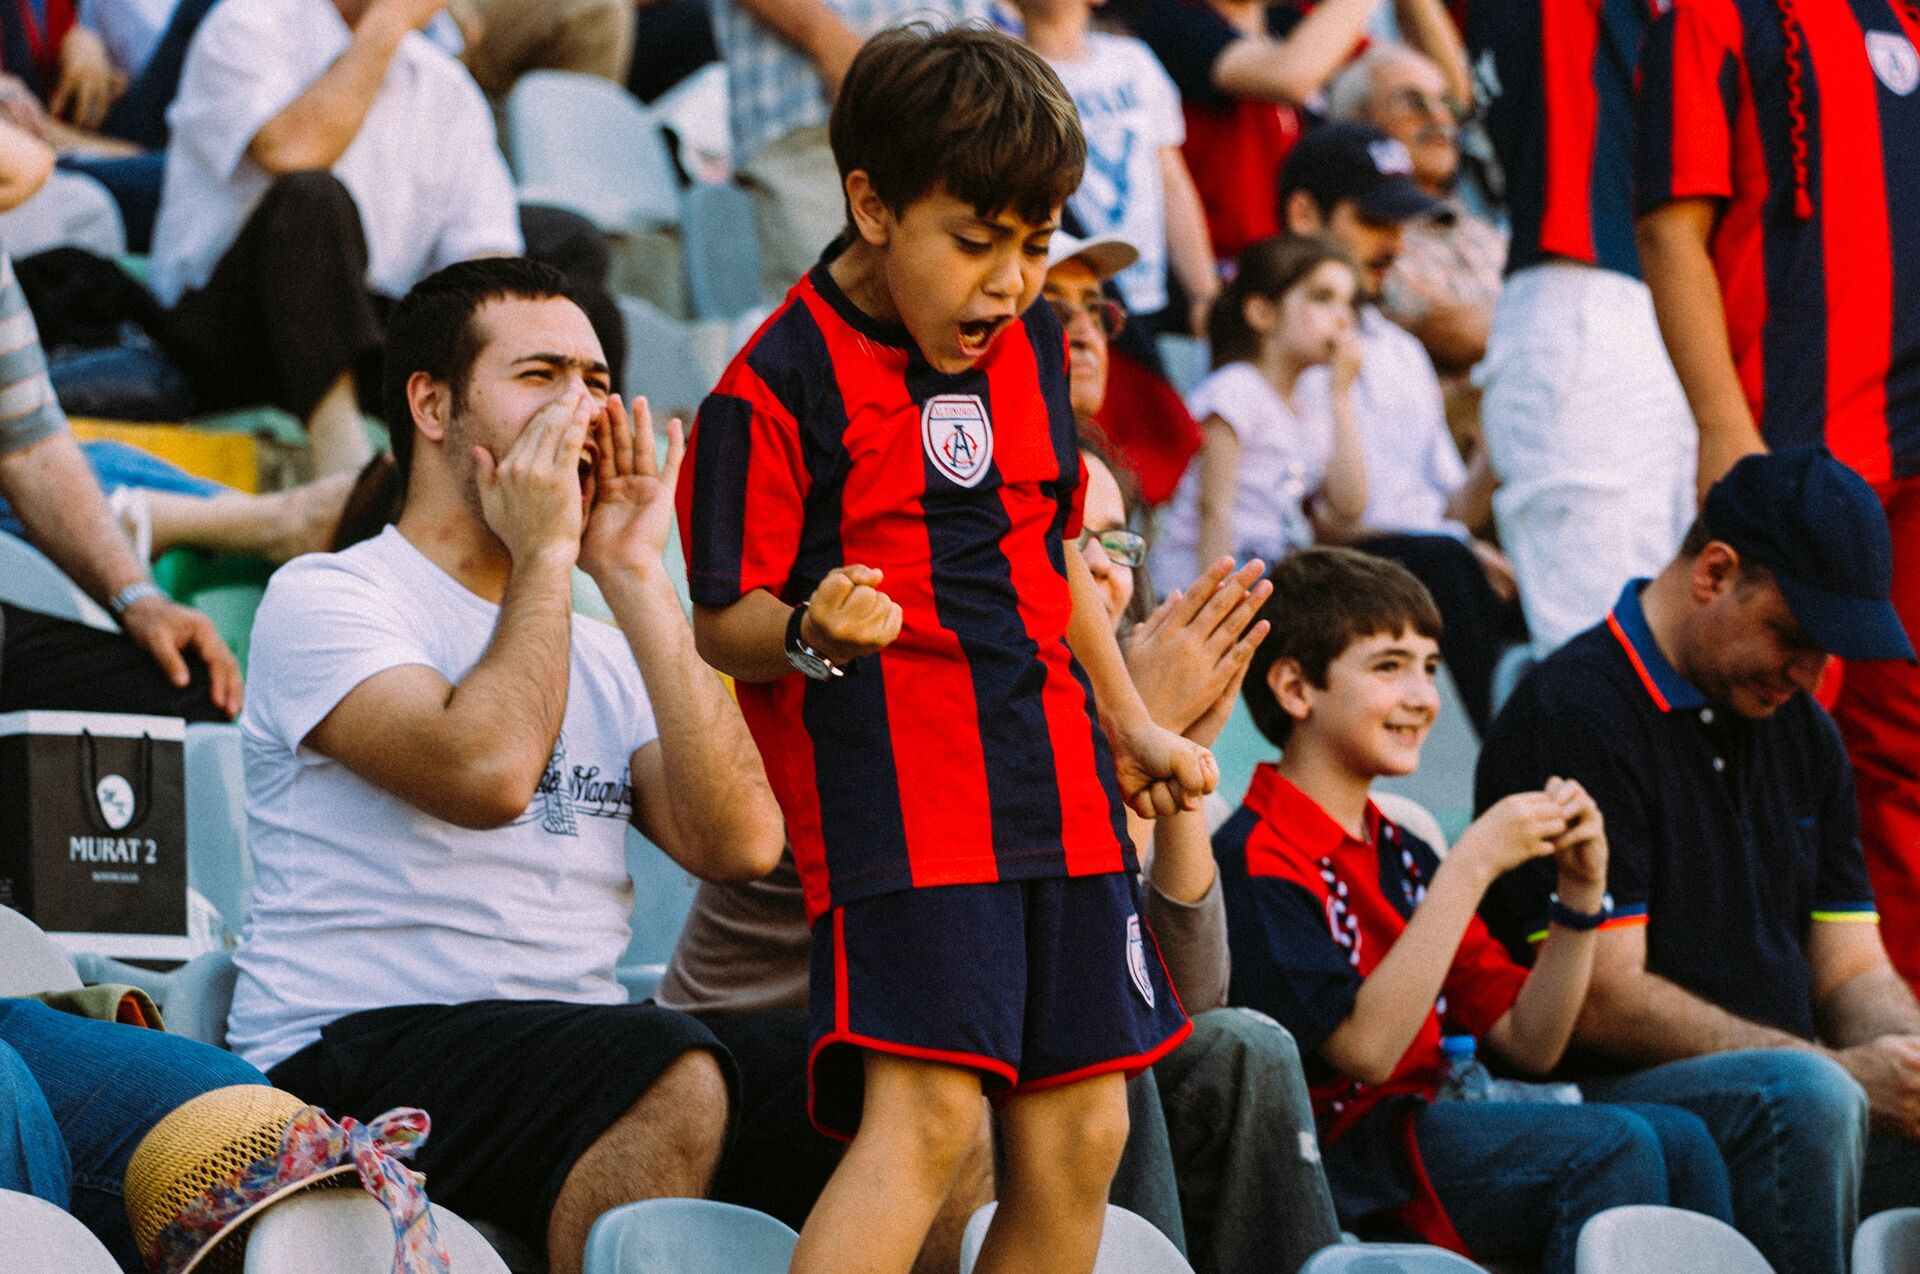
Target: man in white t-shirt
<point x="325" y="155"/>
<point x="1354" y="184"/>
<point x="442" y="763"/>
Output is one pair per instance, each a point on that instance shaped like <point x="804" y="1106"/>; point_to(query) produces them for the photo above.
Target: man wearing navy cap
<point x="1354" y="184"/>
<point x="1740" y="971"/>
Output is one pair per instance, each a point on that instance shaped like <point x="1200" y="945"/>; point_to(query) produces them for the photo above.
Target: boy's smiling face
<point x="953" y="278"/>
<point x="1378" y="705"/>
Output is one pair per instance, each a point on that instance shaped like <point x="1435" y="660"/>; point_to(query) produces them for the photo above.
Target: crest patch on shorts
<point x="1137" y="960"/>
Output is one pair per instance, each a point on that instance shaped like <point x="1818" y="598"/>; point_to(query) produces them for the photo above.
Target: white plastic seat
<point x="1633" y="1240"/>
<point x="40" y="1236"/>
<point x="344" y="1231"/>
<point x="584" y="143"/>
<point x="1129" y="1244"/>
<point x="661" y="362"/>
<point x="688" y="1236"/>
<point x="30" y="961"/>
<point x="30" y="580"/>
<point x="199" y="997"/>
<point x="1888" y="1243"/>
<point x="1388" y="1258"/>
<point x="722" y="250"/>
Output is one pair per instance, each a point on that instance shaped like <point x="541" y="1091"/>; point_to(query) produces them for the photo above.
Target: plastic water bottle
<point x="1465" y="1078"/>
<point x="1524" y="1090"/>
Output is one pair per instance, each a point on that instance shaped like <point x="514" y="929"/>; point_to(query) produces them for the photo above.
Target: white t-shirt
<point x="361" y="901"/>
<point x="1413" y="466"/>
<point x="424" y="169"/>
<point x="1284" y="455"/>
<point x="1129" y="110"/>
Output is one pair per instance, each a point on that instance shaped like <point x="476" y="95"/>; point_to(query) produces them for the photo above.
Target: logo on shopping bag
<point x="958" y="436"/>
<point x="1894" y="61"/>
<point x="1137" y="960"/>
<point x="114" y="795"/>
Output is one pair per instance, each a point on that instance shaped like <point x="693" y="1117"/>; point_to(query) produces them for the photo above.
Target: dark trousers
<point x="287" y="310"/>
<point x="1479" y="625"/>
<point x="56" y="664"/>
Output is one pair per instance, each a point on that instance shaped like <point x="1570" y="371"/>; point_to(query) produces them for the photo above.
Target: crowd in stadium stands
<point x="1565" y="351"/>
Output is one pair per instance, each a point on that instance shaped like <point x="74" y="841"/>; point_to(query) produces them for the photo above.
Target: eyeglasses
<point x="1108" y="316"/>
<point x="1123" y="548"/>
<point x="1427" y="105"/>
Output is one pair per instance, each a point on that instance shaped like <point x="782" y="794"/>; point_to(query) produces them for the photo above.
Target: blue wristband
<point x="1579" y="921"/>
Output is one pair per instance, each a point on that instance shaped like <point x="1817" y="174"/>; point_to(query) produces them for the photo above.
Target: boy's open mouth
<point x="977" y="334"/>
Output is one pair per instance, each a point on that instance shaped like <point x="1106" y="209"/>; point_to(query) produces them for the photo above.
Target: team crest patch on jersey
<point x="1137" y="960"/>
<point x="958" y="436"/>
<point x="1894" y="61"/>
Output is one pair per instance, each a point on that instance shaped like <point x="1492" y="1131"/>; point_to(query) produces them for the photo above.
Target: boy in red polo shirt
<point x="1352" y="933"/>
<point x="876" y="509"/>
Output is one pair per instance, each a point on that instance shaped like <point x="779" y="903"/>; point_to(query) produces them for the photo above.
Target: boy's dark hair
<point x="1323" y="601"/>
<point x="1270" y="268"/>
<point x="967" y="109"/>
<point x="432" y="331"/>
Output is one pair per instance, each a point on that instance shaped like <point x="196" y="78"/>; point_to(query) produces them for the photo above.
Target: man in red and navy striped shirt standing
<point x="1585" y="423"/>
<point x="1778" y="184"/>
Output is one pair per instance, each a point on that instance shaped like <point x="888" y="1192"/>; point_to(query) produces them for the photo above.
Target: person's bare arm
<point x="700" y="792"/>
<point x="1455" y="335"/>
<point x="1674" y="257"/>
<point x="1189" y="245"/>
<point x="59" y="502"/>
<point x="1396" y="997"/>
<point x="1342" y="497"/>
<point x="473" y="753"/>
<point x="847" y="618"/>
<point x="25" y="164"/>
<point x="816" y="30"/>
<point x="1219" y="463"/>
<point x="1472" y="504"/>
<point x="1866" y="1011"/>
<point x="1294" y="69"/>
<point x="1427" y="26"/>
<point x="314" y="130"/>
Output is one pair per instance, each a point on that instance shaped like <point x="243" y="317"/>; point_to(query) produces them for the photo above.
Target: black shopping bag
<point x="93" y="830"/>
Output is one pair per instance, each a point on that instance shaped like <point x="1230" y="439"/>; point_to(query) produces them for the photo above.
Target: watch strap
<point x="132" y="595"/>
<point x="805" y="657"/>
<point x="1579" y="921"/>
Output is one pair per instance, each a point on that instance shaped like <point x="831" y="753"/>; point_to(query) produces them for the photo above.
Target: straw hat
<point x="204" y="1174"/>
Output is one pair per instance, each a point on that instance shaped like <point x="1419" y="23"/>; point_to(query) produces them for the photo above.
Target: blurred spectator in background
<point x="504" y="39"/>
<point x="1582" y="417"/>
<point x="325" y="158"/>
<point x="785" y="60"/>
<point x="1354" y="184"/>
<point x="1443" y="286"/>
<point x="1245" y="70"/>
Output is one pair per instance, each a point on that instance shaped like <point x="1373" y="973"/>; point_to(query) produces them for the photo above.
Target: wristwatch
<point x="132" y="595"/>
<point x="803" y="656"/>
<point x="1579" y="921"/>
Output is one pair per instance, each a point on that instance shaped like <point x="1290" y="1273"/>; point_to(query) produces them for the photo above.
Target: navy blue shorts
<point x="1032" y="983"/>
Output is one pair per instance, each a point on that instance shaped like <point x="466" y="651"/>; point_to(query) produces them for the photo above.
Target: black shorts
<point x="1032" y="983"/>
<point x="517" y="1089"/>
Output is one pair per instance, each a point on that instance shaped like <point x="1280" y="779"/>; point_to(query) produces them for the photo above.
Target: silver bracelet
<point x="132" y="595"/>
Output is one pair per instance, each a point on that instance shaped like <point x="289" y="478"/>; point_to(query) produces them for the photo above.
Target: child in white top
<point x="1271" y="443"/>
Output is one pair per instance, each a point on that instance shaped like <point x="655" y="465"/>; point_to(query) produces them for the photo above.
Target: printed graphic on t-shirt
<point x="567" y="793"/>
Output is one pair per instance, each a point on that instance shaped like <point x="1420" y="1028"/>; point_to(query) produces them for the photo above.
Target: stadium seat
<point x="355" y="1234"/>
<point x="662" y="895"/>
<point x="40" y="1236"/>
<point x="29" y="580"/>
<point x="662" y="363"/>
<point x="722" y="252"/>
<point x="1632" y="1240"/>
<point x="1388" y="1258"/>
<point x="1888" y="1243"/>
<point x="688" y="1236"/>
<point x="199" y="995"/>
<point x="30" y="961"/>
<point x="1129" y="1244"/>
<point x="584" y="143"/>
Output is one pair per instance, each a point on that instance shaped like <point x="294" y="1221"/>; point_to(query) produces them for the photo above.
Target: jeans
<point x="76" y="1097"/>
<point x="1144" y="1181"/>
<point x="1240" y="1125"/>
<point x="1520" y="1180"/>
<point x="1792" y="1127"/>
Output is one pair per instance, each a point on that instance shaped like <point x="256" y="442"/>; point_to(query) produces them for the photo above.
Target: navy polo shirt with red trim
<point x="968" y="751"/>
<point x="1728" y="837"/>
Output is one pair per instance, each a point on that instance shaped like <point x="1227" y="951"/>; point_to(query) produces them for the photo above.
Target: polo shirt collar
<point x="1627" y="621"/>
<point x="1298" y="819"/>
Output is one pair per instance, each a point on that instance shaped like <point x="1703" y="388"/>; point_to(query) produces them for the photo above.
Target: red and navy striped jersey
<point x="969" y="750"/>
<point x="1802" y="118"/>
<point x="1557" y="76"/>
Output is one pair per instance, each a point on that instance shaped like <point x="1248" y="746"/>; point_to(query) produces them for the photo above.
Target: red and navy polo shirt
<point x="1802" y="119"/>
<point x="1728" y="838"/>
<point x="969" y="750"/>
<point x="1557" y="78"/>
<point x="1235" y="145"/>
<point x="1311" y="912"/>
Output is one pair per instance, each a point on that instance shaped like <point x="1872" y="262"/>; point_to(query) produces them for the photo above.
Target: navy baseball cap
<point x="1819" y="528"/>
<point x="1361" y="163"/>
